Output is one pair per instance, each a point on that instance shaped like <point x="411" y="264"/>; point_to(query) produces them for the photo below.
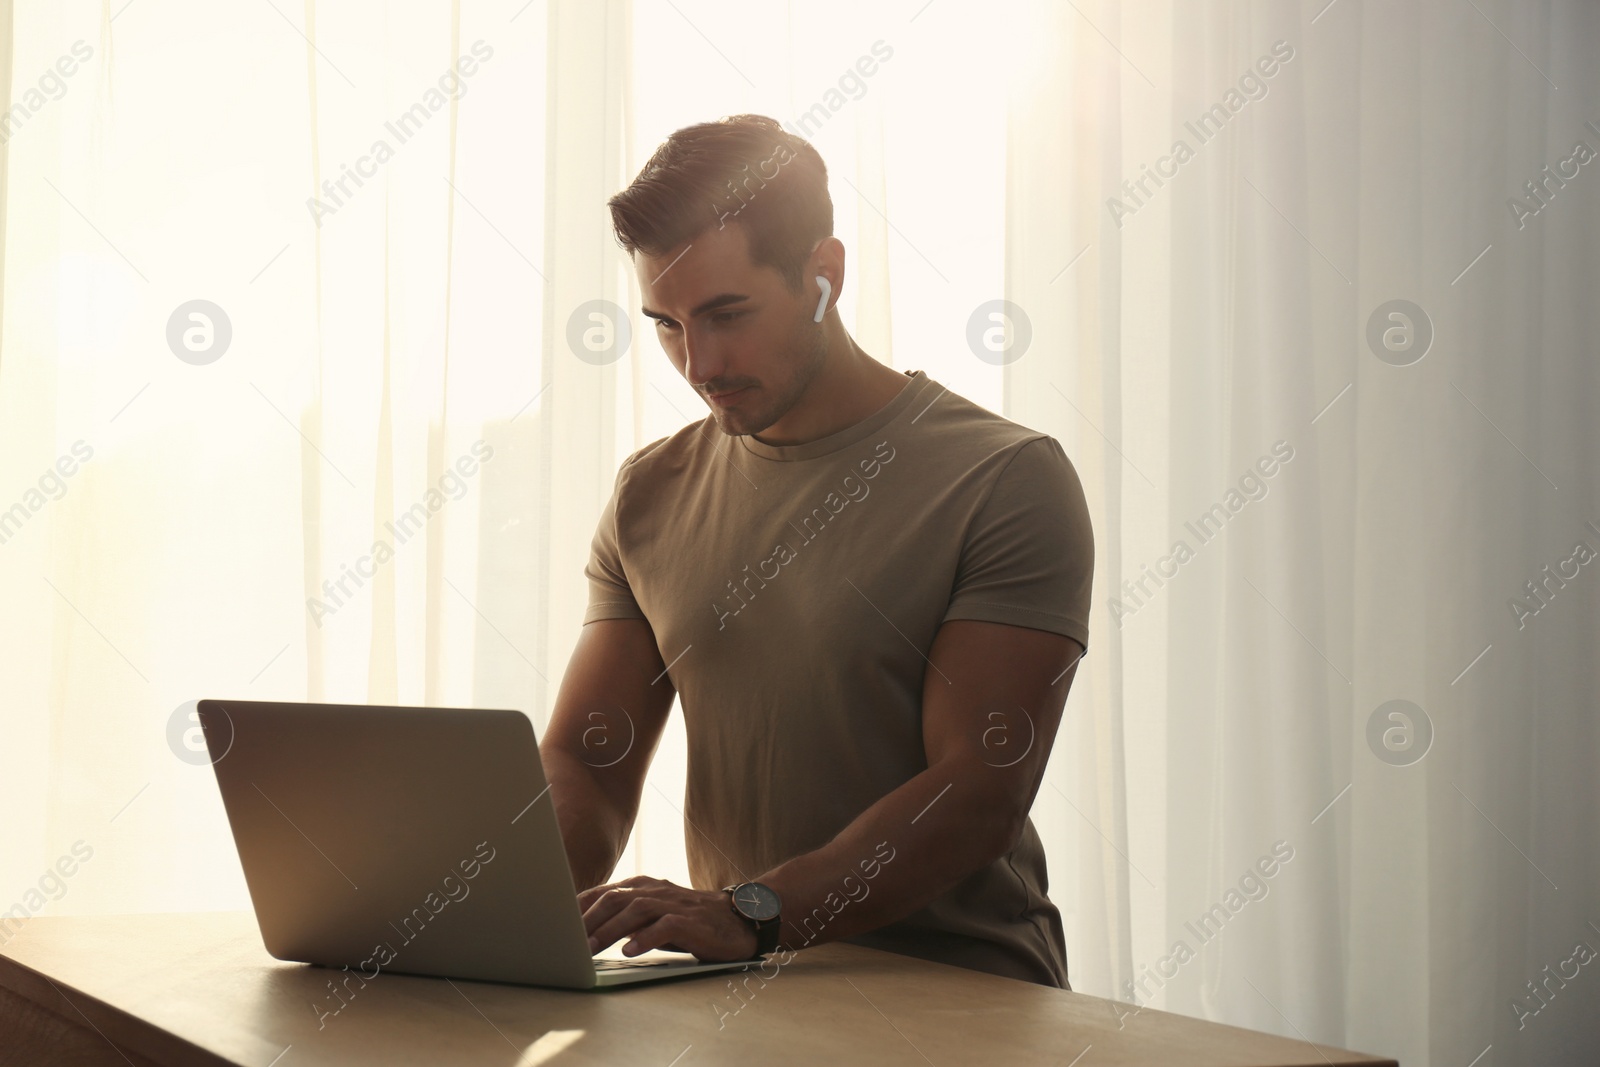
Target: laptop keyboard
<point x="617" y="965"/>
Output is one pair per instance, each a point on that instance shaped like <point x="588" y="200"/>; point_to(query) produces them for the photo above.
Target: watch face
<point x="756" y="901"/>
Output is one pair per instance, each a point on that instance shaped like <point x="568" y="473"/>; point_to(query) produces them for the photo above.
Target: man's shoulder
<point x="665" y="455"/>
<point x="969" y="428"/>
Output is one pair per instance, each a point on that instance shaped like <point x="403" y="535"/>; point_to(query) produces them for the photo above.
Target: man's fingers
<point x="658" y="934"/>
<point x="590" y="895"/>
<point x="593" y="893"/>
<point x="612" y="924"/>
<point x="603" y="907"/>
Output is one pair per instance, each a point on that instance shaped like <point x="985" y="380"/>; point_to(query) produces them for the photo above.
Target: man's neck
<point x="851" y="387"/>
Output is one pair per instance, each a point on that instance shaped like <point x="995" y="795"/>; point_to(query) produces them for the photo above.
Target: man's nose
<point x="702" y="363"/>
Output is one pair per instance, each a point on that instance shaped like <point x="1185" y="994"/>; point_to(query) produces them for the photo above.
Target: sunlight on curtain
<point x="365" y="210"/>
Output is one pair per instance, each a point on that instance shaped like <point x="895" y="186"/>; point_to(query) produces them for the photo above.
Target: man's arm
<point x="992" y="700"/>
<point x="608" y="718"/>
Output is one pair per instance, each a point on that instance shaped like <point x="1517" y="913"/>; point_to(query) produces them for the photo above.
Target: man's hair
<point x="744" y="169"/>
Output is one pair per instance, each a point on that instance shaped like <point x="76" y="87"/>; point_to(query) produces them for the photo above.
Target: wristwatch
<point x="760" y="904"/>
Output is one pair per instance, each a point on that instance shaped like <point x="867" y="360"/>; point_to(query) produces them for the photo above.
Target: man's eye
<point x="718" y="317"/>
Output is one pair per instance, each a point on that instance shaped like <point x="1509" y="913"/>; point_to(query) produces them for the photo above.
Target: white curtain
<point x="1359" y="526"/>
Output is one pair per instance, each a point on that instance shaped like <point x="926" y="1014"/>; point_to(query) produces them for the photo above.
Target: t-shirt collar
<point x="822" y="446"/>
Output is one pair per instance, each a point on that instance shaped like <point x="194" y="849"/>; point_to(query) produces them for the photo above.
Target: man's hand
<point x="658" y="914"/>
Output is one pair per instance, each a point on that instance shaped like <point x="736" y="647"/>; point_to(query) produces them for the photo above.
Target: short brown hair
<point x="717" y="172"/>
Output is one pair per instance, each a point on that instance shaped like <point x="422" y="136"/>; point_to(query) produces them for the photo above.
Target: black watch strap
<point x="767" y="936"/>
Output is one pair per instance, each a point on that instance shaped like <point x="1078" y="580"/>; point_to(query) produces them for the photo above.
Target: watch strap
<point x="767" y="935"/>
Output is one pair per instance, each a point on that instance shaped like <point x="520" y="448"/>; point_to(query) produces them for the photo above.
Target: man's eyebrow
<point x="720" y="300"/>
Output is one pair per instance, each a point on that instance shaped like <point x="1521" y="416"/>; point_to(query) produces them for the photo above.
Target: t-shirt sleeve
<point x="1028" y="558"/>
<point x="610" y="595"/>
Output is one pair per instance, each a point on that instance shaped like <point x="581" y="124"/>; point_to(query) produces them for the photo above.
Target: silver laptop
<point x="408" y="840"/>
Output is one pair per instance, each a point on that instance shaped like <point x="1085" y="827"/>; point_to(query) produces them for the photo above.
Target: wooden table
<point x="199" y="989"/>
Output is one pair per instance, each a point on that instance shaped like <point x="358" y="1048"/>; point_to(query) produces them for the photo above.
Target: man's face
<point x="727" y="325"/>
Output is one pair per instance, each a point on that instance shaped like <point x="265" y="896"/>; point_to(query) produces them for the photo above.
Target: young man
<point x="868" y="594"/>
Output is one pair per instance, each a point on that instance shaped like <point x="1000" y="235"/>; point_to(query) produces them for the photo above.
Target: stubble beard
<point x="808" y="339"/>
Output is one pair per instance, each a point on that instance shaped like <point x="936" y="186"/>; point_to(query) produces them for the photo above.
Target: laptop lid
<point x="404" y="839"/>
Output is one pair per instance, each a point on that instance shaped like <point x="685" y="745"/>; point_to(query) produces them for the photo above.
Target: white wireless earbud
<point x="822" y="305"/>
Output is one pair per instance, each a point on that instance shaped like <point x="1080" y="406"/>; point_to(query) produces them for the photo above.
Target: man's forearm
<point x="905" y="851"/>
<point x="594" y="828"/>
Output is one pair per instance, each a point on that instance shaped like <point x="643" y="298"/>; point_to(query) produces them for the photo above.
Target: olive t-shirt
<point x="794" y="592"/>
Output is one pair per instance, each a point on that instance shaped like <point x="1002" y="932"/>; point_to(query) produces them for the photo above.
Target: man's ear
<point x="824" y="268"/>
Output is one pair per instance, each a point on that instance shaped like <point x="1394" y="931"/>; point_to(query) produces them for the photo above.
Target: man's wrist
<point x="745" y="923"/>
<point x="760" y="907"/>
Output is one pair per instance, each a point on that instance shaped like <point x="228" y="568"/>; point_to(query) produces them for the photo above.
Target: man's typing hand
<point x="657" y="914"/>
